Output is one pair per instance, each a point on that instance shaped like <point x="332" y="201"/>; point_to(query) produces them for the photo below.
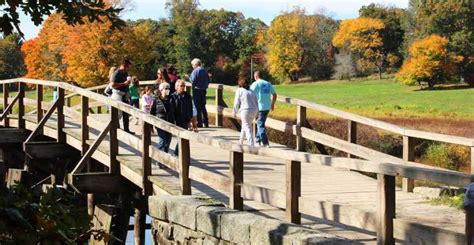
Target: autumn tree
<point x="429" y="62"/>
<point x="296" y="42"/>
<point x="454" y="20"/>
<point x="362" y="37"/>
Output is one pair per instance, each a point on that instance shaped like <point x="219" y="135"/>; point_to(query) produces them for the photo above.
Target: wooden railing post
<point x="385" y="208"/>
<point x="300" y="122"/>
<point x="219" y="114"/>
<point x="39" y="102"/>
<point x="6" y="121"/>
<point x="21" y="105"/>
<point x="139" y="225"/>
<point x="60" y="115"/>
<point x="146" y="160"/>
<point x="114" y="146"/>
<point x="408" y="155"/>
<point x="85" y="147"/>
<point x="351" y="134"/>
<point x="68" y="101"/>
<point x="293" y="191"/>
<point x="236" y="179"/>
<point x="472" y="159"/>
<point x="184" y="162"/>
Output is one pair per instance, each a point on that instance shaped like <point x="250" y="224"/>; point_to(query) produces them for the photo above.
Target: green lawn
<point x="378" y="98"/>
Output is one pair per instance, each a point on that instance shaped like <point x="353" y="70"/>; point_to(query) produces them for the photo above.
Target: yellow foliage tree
<point x="429" y="62"/>
<point x="362" y="37"/>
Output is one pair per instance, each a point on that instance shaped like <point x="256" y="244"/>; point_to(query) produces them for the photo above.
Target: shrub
<point x="451" y="157"/>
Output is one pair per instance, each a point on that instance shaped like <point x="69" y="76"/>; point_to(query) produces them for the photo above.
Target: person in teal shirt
<point x="133" y="88"/>
<point x="266" y="97"/>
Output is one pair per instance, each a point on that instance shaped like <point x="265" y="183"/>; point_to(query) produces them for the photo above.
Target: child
<point x="147" y="101"/>
<point x="134" y="97"/>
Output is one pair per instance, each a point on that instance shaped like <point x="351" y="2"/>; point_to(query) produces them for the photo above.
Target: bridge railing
<point x="234" y="184"/>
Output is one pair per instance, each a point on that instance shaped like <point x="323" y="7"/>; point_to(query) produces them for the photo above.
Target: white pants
<point x="247" y="117"/>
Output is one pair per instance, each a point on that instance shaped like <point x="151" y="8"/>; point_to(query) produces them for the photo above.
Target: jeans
<point x="247" y="117"/>
<point x="199" y="98"/>
<point x="261" y="135"/>
<point x="164" y="140"/>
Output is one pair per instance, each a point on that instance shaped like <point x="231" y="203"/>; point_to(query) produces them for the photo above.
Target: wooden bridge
<point x="211" y="163"/>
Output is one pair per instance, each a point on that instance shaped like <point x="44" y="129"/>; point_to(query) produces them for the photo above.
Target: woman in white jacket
<point x="246" y="103"/>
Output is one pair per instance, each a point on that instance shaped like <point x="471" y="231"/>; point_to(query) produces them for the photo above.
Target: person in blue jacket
<point x="200" y="81"/>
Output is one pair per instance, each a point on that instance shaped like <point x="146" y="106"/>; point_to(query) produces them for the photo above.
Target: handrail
<point x="399" y="169"/>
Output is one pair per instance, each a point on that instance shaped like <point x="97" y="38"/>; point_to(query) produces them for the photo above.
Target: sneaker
<point x="266" y="145"/>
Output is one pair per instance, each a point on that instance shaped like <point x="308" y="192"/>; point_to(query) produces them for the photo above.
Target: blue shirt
<point x="264" y="91"/>
<point x="199" y="78"/>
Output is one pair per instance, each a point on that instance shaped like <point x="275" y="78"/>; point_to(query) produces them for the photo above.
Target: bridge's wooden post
<point x="236" y="179"/>
<point x="85" y="147"/>
<point x="39" y="101"/>
<point x="408" y="155"/>
<point x="300" y="122"/>
<point x="351" y="134"/>
<point x="6" y="121"/>
<point x="184" y="162"/>
<point x="21" y="105"/>
<point x="293" y="191"/>
<point x="60" y="115"/>
<point x="146" y="160"/>
<point x="385" y="208"/>
<point x="68" y="101"/>
<point x="99" y="109"/>
<point x="139" y="225"/>
<point x="472" y="159"/>
<point x="219" y="113"/>
<point x="114" y="147"/>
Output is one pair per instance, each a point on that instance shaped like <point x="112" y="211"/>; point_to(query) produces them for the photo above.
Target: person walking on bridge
<point x="266" y="96"/>
<point x="119" y="83"/>
<point x="246" y="103"/>
<point x="183" y="107"/>
<point x="200" y="81"/>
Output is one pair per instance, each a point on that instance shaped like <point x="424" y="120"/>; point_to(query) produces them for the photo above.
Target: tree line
<point x="431" y="42"/>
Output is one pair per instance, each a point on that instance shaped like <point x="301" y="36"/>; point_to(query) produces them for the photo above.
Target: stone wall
<point x="188" y="220"/>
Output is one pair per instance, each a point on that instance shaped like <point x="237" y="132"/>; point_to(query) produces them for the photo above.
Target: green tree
<point x="392" y="34"/>
<point x="72" y="12"/>
<point x="11" y="58"/>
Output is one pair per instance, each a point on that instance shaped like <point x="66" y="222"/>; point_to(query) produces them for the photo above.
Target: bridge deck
<point x="328" y="191"/>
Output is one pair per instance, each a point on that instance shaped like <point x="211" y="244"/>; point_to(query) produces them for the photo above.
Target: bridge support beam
<point x="351" y="134"/>
<point x="219" y="113"/>
<point x="236" y="179"/>
<point x="98" y="182"/>
<point x="293" y="191"/>
<point x="408" y="155"/>
<point x="385" y="209"/>
<point x="184" y="162"/>
<point x="48" y="150"/>
<point x="12" y="136"/>
<point x="301" y="122"/>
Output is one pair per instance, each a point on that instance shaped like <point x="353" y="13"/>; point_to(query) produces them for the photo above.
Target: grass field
<point x="380" y="99"/>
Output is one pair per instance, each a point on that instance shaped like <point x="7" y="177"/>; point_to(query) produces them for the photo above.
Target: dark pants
<point x="125" y="116"/>
<point x="135" y="103"/>
<point x="164" y="140"/>
<point x="199" y="98"/>
<point x="261" y="135"/>
<point x="469" y="225"/>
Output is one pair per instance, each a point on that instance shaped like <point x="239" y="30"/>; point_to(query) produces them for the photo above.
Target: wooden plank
<point x="300" y="122"/>
<point x="184" y="162"/>
<point x="293" y="191"/>
<point x="39" y="127"/>
<point x="408" y="155"/>
<point x="48" y="150"/>
<point x="6" y="121"/>
<point x="385" y="209"/>
<point x="272" y="197"/>
<point x="165" y="158"/>
<point x="236" y="172"/>
<point x="351" y="134"/>
<point x="219" y="99"/>
<point x="21" y="105"/>
<point x="11" y="136"/>
<point x="39" y="102"/>
<point x="60" y="116"/>
<point x="214" y="180"/>
<point x="85" y="158"/>
<point x="7" y="109"/>
<point x="114" y="146"/>
<point x="146" y="160"/>
<point x="99" y="182"/>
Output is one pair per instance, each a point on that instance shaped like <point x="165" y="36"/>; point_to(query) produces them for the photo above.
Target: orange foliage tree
<point x="429" y="62"/>
<point x="362" y="37"/>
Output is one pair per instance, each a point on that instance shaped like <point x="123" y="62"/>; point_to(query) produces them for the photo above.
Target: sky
<point x="266" y="10"/>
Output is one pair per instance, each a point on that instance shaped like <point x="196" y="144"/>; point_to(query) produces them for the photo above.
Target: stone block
<point x="164" y="228"/>
<point x="235" y="226"/>
<point x="308" y="237"/>
<point x="182" y="210"/>
<point x="209" y="219"/>
<point x="270" y="231"/>
<point x="157" y="207"/>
